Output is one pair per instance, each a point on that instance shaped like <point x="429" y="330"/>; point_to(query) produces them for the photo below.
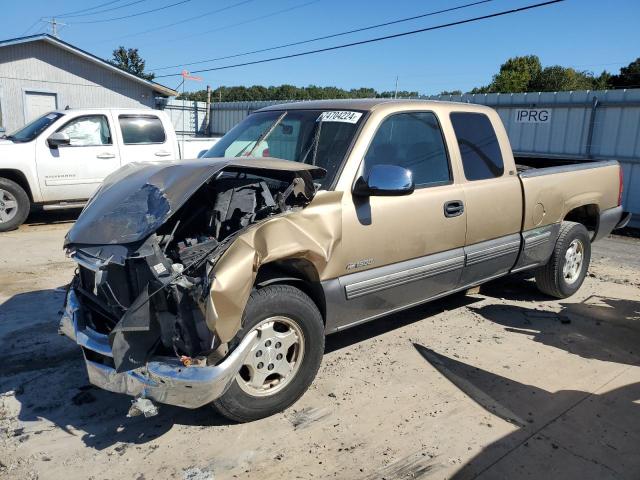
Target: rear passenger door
<point x="144" y="139"/>
<point x="493" y="198"/>
<point x="401" y="250"/>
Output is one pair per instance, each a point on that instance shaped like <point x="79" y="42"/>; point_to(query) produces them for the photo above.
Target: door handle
<point x="105" y="155"/>
<point x="163" y="153"/>
<point x="453" y="208"/>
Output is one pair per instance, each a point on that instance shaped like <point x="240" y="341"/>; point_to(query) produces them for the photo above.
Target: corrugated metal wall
<point x="226" y="115"/>
<point x="40" y="67"/>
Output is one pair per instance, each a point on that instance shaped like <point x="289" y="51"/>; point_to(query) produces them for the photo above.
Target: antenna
<point x="54" y="25"/>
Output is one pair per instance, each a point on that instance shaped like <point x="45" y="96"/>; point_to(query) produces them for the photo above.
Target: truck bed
<point x="567" y="188"/>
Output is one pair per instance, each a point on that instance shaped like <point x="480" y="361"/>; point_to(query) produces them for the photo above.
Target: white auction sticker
<point x="340" y="116"/>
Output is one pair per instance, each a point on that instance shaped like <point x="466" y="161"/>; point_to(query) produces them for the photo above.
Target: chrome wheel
<point x="8" y="206"/>
<point x="573" y="261"/>
<point x="275" y="359"/>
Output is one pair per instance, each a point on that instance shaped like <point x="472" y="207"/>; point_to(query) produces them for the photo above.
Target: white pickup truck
<point x="58" y="160"/>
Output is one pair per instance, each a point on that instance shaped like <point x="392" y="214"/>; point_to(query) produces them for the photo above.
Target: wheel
<point x="14" y="205"/>
<point x="284" y="362"/>
<point x="565" y="271"/>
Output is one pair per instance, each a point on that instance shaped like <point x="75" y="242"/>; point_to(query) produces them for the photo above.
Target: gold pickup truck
<point x="215" y="281"/>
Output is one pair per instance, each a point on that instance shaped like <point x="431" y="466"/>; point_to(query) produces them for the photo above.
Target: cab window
<point x="479" y="148"/>
<point x="141" y="129"/>
<point x="88" y="131"/>
<point x="412" y="140"/>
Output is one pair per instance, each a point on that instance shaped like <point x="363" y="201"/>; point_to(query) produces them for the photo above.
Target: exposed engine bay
<point x="149" y="294"/>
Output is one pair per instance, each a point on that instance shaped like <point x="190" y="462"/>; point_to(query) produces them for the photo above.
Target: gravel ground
<point x="505" y="383"/>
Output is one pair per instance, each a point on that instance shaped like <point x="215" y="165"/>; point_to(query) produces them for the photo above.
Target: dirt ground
<point x="505" y="383"/>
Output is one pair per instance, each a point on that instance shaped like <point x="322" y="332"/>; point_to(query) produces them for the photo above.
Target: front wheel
<point x="14" y="205"/>
<point x="284" y="362"/>
<point x="565" y="271"/>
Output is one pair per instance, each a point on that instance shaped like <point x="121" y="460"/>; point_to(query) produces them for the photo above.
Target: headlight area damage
<point x="148" y="306"/>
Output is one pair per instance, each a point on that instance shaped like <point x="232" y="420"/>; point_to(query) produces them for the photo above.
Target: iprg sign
<point x="533" y="115"/>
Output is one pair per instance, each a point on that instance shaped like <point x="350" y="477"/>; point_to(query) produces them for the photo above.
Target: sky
<point x="585" y="34"/>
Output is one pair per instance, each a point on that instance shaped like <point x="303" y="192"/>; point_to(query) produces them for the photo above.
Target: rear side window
<point x="141" y="129"/>
<point x="479" y="148"/>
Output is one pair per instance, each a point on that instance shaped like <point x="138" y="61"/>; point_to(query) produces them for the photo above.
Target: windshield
<point x="33" y="129"/>
<point x="316" y="137"/>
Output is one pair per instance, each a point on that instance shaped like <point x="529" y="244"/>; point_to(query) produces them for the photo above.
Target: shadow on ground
<point x="598" y="327"/>
<point x="40" y="217"/>
<point x="46" y="373"/>
<point x="566" y="434"/>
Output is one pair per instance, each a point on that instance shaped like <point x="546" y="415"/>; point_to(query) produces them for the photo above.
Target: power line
<point x="325" y="37"/>
<point x="136" y="14"/>
<point x="196" y="17"/>
<point x="31" y="27"/>
<point x="135" y="2"/>
<point x="377" y="39"/>
<point x="88" y="8"/>
<point x="273" y="14"/>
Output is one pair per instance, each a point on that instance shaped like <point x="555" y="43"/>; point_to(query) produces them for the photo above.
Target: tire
<point x="243" y="401"/>
<point x="11" y="217"/>
<point x="556" y="278"/>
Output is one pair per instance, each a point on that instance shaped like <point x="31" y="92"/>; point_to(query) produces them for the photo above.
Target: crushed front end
<point x="146" y="247"/>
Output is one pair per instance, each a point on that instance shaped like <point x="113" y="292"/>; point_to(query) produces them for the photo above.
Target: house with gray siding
<point x="41" y="73"/>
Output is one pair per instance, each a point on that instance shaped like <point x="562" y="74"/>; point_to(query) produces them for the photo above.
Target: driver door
<point x="74" y="171"/>
<point x="403" y="250"/>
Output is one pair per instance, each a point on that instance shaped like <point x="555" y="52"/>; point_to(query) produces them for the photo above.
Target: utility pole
<point x="54" y="25"/>
<point x="207" y="123"/>
<point x="395" y="95"/>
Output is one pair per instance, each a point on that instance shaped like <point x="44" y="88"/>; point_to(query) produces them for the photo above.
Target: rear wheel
<point x="284" y="362"/>
<point x="567" y="268"/>
<point x="14" y="205"/>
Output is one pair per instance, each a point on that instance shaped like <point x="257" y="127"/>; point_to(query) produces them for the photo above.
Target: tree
<point x="130" y="61"/>
<point x="451" y="92"/>
<point x="516" y="74"/>
<point x="628" y="77"/>
<point x="289" y="92"/>
<point x="558" y="79"/>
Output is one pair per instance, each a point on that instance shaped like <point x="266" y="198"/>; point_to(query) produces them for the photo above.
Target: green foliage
<point x="288" y="92"/>
<point x="130" y="61"/>
<point x="517" y="74"/>
<point x="526" y="74"/>
<point x="629" y="76"/>
<point x="451" y="92"/>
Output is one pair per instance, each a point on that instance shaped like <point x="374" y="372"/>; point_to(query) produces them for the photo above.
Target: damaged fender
<point x="312" y="234"/>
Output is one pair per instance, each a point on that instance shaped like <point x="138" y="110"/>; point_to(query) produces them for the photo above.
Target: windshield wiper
<point x="264" y="136"/>
<point x="314" y="144"/>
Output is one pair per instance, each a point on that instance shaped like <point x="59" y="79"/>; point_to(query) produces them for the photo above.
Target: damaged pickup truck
<point x="215" y="281"/>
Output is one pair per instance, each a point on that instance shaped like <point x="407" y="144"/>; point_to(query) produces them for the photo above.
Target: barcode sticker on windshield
<point x="340" y="116"/>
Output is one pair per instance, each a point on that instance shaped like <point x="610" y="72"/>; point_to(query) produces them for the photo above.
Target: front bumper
<point x="163" y="379"/>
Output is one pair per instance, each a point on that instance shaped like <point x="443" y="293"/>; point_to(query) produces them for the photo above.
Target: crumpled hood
<point x="137" y="199"/>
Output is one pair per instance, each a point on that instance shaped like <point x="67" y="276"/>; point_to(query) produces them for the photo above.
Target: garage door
<point x="38" y="103"/>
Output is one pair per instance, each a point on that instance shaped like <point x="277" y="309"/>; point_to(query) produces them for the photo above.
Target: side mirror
<point x="385" y="180"/>
<point x="58" y="139"/>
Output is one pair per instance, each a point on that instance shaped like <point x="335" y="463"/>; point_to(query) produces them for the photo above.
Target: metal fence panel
<point x="188" y="117"/>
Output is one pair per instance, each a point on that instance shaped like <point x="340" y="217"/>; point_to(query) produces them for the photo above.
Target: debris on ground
<point x="142" y="406"/>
